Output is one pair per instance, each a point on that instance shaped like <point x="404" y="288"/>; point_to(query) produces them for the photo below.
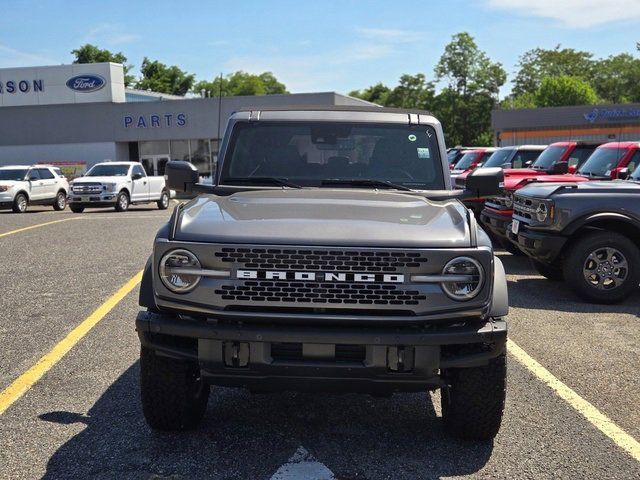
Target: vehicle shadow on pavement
<point x="540" y="293"/>
<point x="251" y="436"/>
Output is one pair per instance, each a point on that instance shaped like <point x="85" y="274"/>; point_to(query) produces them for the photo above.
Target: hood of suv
<point x="539" y="190"/>
<point x="325" y="217"/>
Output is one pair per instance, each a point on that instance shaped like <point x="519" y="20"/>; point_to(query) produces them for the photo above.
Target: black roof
<point x="334" y="108"/>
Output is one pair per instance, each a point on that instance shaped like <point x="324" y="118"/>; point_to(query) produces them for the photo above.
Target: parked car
<point x="21" y="186"/>
<point x="117" y="185"/>
<point x="471" y="160"/>
<point x="585" y="233"/>
<point x="455" y="153"/>
<point x="520" y="156"/>
<point x="338" y="258"/>
<point x="552" y="165"/>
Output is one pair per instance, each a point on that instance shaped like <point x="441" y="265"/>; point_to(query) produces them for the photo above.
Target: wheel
<point x="20" y="203"/>
<point x="548" y="271"/>
<point x="472" y="406"/>
<point x="122" y="202"/>
<point x="603" y="267"/>
<point x="76" y="209"/>
<point x="172" y="392"/>
<point x="163" y="203"/>
<point x="60" y="202"/>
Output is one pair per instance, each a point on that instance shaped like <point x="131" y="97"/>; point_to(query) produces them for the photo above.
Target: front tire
<point x="163" y="203"/>
<point x="122" y="202"/>
<point x="472" y="406"/>
<point x="548" y="271"/>
<point x="603" y="267"/>
<point x="60" y="203"/>
<point x="20" y="203"/>
<point x="173" y="395"/>
<point x="76" y="209"/>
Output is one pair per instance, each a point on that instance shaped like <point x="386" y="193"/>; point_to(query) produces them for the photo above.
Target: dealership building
<point x="77" y="115"/>
<point x="585" y="122"/>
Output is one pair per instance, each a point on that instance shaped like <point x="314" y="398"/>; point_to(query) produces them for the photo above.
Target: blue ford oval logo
<point x="86" y="83"/>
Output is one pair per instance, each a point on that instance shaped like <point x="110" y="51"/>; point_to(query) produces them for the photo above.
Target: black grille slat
<point x="298" y="259"/>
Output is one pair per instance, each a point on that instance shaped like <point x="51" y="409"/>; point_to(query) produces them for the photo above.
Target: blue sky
<point x="310" y="46"/>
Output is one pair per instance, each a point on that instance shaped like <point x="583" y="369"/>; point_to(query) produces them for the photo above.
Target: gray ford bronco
<point x="586" y="233"/>
<point x="329" y="254"/>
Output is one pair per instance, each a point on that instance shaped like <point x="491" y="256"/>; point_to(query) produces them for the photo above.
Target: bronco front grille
<point x="524" y="207"/>
<point x="498" y="203"/>
<point x="312" y="259"/>
<point x="314" y="292"/>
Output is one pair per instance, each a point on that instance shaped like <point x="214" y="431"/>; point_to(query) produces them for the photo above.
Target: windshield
<point x="16" y="174"/>
<point x="108" y="171"/>
<point x="466" y="160"/>
<point x="602" y="161"/>
<point x="452" y="155"/>
<point x="549" y="157"/>
<point x="499" y="157"/>
<point x="636" y="174"/>
<point x="310" y="153"/>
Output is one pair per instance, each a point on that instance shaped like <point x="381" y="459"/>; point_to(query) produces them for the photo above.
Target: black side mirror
<point x="559" y="168"/>
<point x="181" y="176"/>
<point x="136" y="176"/>
<point x="484" y="182"/>
<point x="623" y="173"/>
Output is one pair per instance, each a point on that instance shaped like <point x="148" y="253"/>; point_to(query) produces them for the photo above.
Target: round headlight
<point x="508" y="200"/>
<point x="469" y="281"/>
<point x="542" y="212"/>
<point x="170" y="271"/>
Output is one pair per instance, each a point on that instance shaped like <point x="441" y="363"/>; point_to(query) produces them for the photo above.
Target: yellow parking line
<point x="29" y="378"/>
<point x="588" y="411"/>
<point x="24" y="229"/>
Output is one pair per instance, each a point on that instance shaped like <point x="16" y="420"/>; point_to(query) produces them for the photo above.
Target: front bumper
<point x="293" y="357"/>
<point x="542" y="246"/>
<point x="496" y="223"/>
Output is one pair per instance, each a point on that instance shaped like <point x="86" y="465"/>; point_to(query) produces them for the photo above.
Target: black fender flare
<point x="146" y="297"/>
<point x="596" y="217"/>
<point x="500" y="296"/>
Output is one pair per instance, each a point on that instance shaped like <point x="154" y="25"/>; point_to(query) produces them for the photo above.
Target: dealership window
<point x="158" y="147"/>
<point x="180" y="150"/>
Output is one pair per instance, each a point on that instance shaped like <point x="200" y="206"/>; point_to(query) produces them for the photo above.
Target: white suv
<point x="21" y="186"/>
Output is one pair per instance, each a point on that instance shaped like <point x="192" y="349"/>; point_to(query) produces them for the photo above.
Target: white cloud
<point x="313" y="71"/>
<point x="10" y="57"/>
<point x="110" y="34"/>
<point x="575" y="13"/>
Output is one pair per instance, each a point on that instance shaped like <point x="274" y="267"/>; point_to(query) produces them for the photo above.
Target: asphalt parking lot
<point x="83" y="419"/>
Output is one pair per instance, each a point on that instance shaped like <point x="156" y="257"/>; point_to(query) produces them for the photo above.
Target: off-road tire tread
<point x="472" y="408"/>
<point x="580" y="248"/>
<point x="165" y="391"/>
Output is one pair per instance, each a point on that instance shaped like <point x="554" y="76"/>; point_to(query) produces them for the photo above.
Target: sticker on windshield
<point x="412" y="138"/>
<point x="423" y="152"/>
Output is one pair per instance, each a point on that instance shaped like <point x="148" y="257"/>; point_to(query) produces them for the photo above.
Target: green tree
<point x="539" y="63"/>
<point x="413" y="91"/>
<point x="377" y="93"/>
<point x="565" y="90"/>
<point x="242" y="83"/>
<point x="474" y="82"/>
<point x="616" y="79"/>
<point x="91" y="54"/>
<point x="157" y="77"/>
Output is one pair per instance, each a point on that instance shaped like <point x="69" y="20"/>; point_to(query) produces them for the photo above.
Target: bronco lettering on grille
<point x="319" y="276"/>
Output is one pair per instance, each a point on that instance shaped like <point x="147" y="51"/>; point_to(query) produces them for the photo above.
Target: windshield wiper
<point x="365" y="182"/>
<point x="283" y="182"/>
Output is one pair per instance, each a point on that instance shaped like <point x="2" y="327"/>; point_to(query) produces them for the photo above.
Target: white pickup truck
<point x="117" y="184"/>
